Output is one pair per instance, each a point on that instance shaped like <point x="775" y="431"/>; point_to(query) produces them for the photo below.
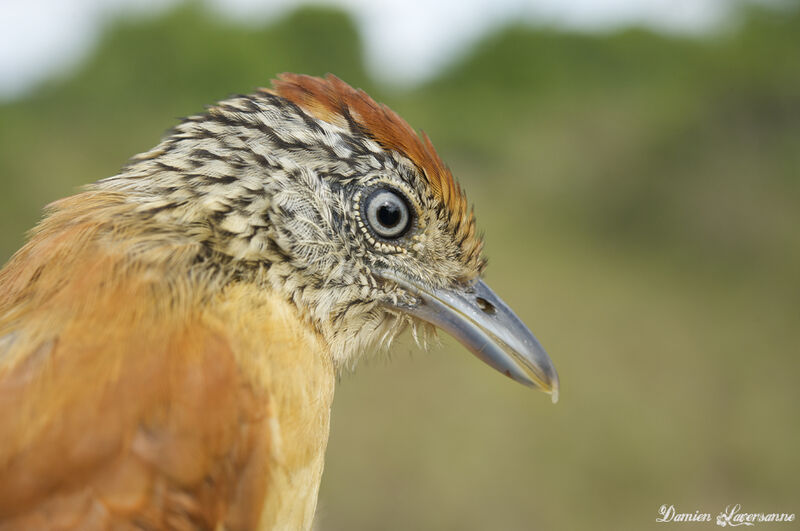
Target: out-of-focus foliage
<point x="143" y="77"/>
<point x="640" y="196"/>
<point x="648" y="138"/>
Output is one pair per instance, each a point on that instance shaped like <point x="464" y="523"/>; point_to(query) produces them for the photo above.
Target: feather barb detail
<point x="332" y="100"/>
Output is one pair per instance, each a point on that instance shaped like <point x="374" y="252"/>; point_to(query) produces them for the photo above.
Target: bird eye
<point x="387" y="213"/>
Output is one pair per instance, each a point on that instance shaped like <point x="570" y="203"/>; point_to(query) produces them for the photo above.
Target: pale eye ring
<point x="387" y="213"/>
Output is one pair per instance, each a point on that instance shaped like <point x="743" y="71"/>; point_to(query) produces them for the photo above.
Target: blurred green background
<point x="640" y="197"/>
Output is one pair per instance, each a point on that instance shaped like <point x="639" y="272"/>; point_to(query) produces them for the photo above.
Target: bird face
<point x="321" y="194"/>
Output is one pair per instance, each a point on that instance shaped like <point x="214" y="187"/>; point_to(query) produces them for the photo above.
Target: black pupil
<point x="389" y="214"/>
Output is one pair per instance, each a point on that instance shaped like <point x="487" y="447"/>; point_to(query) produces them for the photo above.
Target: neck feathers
<point x="96" y="245"/>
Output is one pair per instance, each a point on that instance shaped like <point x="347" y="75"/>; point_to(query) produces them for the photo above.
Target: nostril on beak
<point x="485" y="306"/>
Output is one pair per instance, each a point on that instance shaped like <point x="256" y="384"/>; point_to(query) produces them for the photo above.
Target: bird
<point x="171" y="336"/>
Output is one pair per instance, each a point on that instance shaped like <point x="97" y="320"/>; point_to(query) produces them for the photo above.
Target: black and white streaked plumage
<point x="169" y="337"/>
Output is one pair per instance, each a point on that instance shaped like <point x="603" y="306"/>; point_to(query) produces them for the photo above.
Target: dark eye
<point x="387" y="213"/>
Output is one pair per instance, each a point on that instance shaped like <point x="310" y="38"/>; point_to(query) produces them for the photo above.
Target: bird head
<point x="312" y="190"/>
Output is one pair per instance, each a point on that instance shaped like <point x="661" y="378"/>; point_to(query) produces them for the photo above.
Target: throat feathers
<point x="170" y="336"/>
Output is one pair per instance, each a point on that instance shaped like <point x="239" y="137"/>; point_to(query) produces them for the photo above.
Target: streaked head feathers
<point x="334" y="101"/>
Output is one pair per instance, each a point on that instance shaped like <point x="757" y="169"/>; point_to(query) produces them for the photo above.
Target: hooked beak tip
<point x="552" y="385"/>
<point x="546" y="381"/>
<point x="554" y="391"/>
<point x="483" y="323"/>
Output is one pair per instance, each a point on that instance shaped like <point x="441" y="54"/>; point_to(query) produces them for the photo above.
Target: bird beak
<point x="483" y="323"/>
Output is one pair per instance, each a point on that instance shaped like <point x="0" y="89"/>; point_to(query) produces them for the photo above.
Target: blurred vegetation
<point x="640" y="196"/>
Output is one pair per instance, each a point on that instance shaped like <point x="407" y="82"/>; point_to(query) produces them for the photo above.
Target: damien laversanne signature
<point x="732" y="516"/>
